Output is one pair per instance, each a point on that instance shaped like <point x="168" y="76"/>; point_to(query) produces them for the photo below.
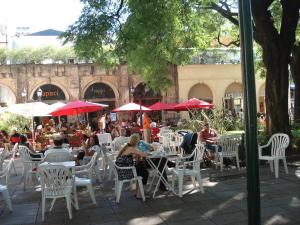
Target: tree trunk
<point x="295" y="70"/>
<point x="277" y="48"/>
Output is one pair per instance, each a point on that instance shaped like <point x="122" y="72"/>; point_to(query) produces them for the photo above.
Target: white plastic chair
<point x="230" y="149"/>
<point x="105" y="139"/>
<point x="56" y="182"/>
<point x="4" y="174"/>
<point x="59" y="156"/>
<point x="189" y="166"/>
<point x="119" y="142"/>
<point x="29" y="164"/>
<point x="278" y="144"/>
<point x="119" y="183"/>
<point x="86" y="182"/>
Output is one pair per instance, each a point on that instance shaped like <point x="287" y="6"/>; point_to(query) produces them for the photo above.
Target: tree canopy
<point x="149" y="36"/>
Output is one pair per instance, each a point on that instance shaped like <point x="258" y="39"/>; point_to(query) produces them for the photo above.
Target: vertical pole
<point x="246" y="38"/>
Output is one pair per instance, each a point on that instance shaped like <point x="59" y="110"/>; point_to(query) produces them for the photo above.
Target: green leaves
<point x="149" y="35"/>
<point x="37" y="55"/>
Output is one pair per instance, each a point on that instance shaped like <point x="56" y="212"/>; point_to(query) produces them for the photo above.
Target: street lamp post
<point x="24" y="94"/>
<point x="39" y="94"/>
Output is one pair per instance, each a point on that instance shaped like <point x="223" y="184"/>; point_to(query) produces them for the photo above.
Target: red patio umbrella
<point x="130" y="107"/>
<point x="76" y="107"/>
<point x="159" y="106"/>
<point x="193" y="103"/>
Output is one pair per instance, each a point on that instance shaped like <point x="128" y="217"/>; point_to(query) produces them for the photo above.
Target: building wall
<point x="217" y="77"/>
<point x="72" y="79"/>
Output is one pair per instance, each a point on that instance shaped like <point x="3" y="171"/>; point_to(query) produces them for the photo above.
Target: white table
<point x="159" y="174"/>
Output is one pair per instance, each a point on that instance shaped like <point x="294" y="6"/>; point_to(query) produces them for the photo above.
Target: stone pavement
<point x="224" y="203"/>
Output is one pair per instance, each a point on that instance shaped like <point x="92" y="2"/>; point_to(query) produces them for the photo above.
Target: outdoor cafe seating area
<point x="62" y="175"/>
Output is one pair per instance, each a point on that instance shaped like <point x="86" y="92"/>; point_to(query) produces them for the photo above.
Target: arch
<point x="144" y="95"/>
<point x="201" y="91"/>
<point x="51" y="92"/>
<point x="234" y="90"/>
<point x="115" y="90"/>
<point x="233" y="97"/>
<point x="7" y="96"/>
<point x="100" y="92"/>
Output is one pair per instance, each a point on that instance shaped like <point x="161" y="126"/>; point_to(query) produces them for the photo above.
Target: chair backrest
<point x="279" y="142"/>
<point x="3" y="155"/>
<point x="104" y="138"/>
<point x="229" y="144"/>
<point x="24" y="153"/>
<point x="54" y="179"/>
<point x="197" y="156"/>
<point x="58" y="156"/>
<point x="92" y="162"/>
<point x="4" y="174"/>
<point x="119" y="142"/>
<point x="111" y="164"/>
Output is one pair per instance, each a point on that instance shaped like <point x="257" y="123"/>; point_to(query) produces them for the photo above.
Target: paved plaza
<point x="224" y="203"/>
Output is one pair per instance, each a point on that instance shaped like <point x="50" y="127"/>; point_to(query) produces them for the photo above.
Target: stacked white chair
<point x="4" y="175"/>
<point x="88" y="170"/>
<point x="56" y="182"/>
<point x="29" y="164"/>
<point x="230" y="149"/>
<point x="119" y="183"/>
<point x="189" y="166"/>
<point x="278" y="144"/>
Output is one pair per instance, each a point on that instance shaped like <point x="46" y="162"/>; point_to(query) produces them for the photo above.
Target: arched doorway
<point x="101" y="93"/>
<point x="7" y="97"/>
<point x="261" y="98"/>
<point x="145" y="96"/>
<point x="233" y="97"/>
<point x="202" y="92"/>
<point x="50" y="94"/>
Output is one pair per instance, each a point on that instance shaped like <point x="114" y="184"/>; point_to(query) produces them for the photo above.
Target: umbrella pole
<point x="33" y="136"/>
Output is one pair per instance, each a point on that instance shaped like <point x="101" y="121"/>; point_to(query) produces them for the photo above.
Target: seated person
<point x="208" y="136"/>
<point x="89" y="148"/>
<point x="126" y="158"/>
<point x="58" y="142"/>
<point x="24" y="142"/>
<point x="15" y="137"/>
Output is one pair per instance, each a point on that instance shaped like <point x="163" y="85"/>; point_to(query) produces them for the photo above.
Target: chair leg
<point x="7" y="199"/>
<point x="52" y="204"/>
<point x="276" y="167"/>
<point x="285" y="166"/>
<point x="271" y="165"/>
<point x="119" y="190"/>
<point x="141" y="187"/>
<point x="180" y="184"/>
<point x="75" y="197"/>
<point x="97" y="172"/>
<point x="173" y="181"/>
<point x="200" y="183"/>
<point x="69" y="205"/>
<point x="14" y="167"/>
<point x="193" y="181"/>
<point x="221" y="163"/>
<point x="43" y="208"/>
<point x="237" y="161"/>
<point x="92" y="194"/>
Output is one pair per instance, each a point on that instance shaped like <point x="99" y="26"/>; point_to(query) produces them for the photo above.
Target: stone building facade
<point x="64" y="82"/>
